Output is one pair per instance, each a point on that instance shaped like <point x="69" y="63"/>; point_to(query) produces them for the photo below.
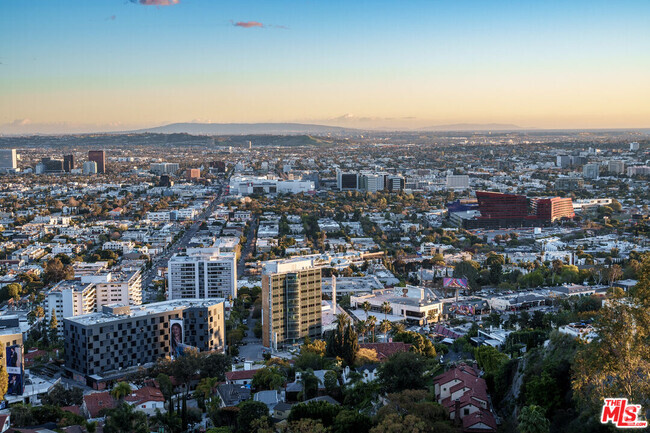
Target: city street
<point x="252" y="349"/>
<point x="177" y="246"/>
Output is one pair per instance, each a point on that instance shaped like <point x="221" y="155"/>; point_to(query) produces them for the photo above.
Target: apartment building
<point x="71" y="298"/>
<point x="202" y="273"/>
<point x="291" y="301"/>
<point x="119" y="337"/>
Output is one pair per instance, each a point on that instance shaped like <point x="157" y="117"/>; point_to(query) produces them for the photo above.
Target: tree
<point x="4" y="381"/>
<point x="343" y="342"/>
<point x="402" y="371"/>
<point x="351" y="421"/>
<point x="614" y="274"/>
<point x="384" y="327"/>
<point x="125" y="419"/>
<point x="54" y="326"/>
<point x="121" y="390"/>
<point x="617" y="362"/>
<point x="317" y="410"/>
<point x="331" y="382"/>
<point x="467" y="269"/>
<point x="532" y="420"/>
<point x="420" y="343"/>
<point x="372" y="322"/>
<point x="269" y="378"/>
<point x="204" y="391"/>
<point x="386" y="308"/>
<point x="60" y="396"/>
<point x="14" y="290"/>
<point x="167" y="389"/>
<point x="490" y="359"/>
<point x="250" y="410"/>
<point x="309" y="382"/>
<point x="55" y="271"/>
<point x="362" y="328"/>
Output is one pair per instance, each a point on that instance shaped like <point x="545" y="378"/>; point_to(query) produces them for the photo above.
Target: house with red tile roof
<point x="94" y="403"/>
<point x="147" y="399"/>
<point x="385" y="350"/>
<point x="240" y="377"/>
<point x="465" y="396"/>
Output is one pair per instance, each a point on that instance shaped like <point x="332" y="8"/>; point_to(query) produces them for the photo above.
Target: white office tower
<point x="202" y="273"/>
<point x="90" y="167"/>
<point x="371" y="182"/>
<point x="8" y="160"/>
<point x="634" y="146"/>
<point x="161" y="168"/>
<point x="591" y="171"/>
<point x="457" y="182"/>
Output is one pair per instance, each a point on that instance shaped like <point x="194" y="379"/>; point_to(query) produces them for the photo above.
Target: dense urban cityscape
<point x="295" y="216"/>
<point x="250" y="286"/>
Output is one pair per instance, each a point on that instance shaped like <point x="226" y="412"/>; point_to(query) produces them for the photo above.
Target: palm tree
<point x="398" y="327"/>
<point x="362" y="328"/>
<point x="384" y="327"/>
<point x="386" y="308"/>
<point x="366" y="307"/>
<point x="121" y="390"/>
<point x="372" y="321"/>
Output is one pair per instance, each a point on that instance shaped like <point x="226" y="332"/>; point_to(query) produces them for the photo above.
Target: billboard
<point x="462" y="309"/>
<point x="15" y="370"/>
<point x="177" y="334"/>
<point x="454" y="283"/>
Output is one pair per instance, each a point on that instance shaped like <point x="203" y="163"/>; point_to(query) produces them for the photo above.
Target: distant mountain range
<point x="475" y="127"/>
<point x="245" y="128"/>
<point x="306" y="128"/>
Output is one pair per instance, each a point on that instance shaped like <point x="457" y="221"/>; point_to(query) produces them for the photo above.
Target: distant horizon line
<point x="462" y="127"/>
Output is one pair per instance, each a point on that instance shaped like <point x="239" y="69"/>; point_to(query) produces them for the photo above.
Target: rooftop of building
<point x="122" y="311"/>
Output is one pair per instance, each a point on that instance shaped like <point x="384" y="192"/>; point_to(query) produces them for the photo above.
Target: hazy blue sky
<point x="100" y="64"/>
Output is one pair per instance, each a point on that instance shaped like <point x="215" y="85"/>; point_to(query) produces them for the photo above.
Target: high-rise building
<point x="395" y="183"/>
<point x="347" y="181"/>
<point x="89" y="167"/>
<point x="291" y="301"/>
<point x="371" y="182"/>
<point x="121" y="337"/>
<point x="591" y="171"/>
<point x="563" y="161"/>
<point x="616" y="166"/>
<point x="86" y="295"/>
<point x="68" y="163"/>
<point x="99" y="157"/>
<point x="202" y="273"/>
<point x="165" y="181"/>
<point x="8" y="160"/>
<point x="52" y="165"/>
<point x="634" y="146"/>
<point x="161" y="168"/>
<point x="193" y="174"/>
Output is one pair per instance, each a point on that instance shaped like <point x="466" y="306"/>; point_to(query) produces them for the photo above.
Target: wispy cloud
<point x="253" y="24"/>
<point x="111" y="18"/>
<point x="156" y="2"/>
<point x="247" y="24"/>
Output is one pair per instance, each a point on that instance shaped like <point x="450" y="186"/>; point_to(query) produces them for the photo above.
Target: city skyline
<point x="73" y="66"/>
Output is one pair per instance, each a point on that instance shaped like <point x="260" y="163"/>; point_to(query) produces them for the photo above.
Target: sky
<point x="106" y="65"/>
